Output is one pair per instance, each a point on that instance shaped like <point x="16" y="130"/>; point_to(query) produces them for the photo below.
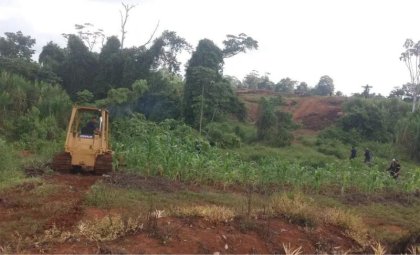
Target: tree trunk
<point x="413" y="109"/>
<point x="202" y="106"/>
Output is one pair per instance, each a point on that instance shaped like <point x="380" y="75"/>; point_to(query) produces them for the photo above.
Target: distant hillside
<point x="314" y="113"/>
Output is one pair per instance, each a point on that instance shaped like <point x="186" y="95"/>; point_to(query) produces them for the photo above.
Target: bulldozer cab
<point x="87" y="123"/>
<point x="87" y="141"/>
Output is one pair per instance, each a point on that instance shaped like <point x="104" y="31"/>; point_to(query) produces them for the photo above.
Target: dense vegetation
<point x="194" y="129"/>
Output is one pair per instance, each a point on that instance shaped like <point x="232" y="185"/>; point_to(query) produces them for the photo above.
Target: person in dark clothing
<point x="353" y="153"/>
<point x="90" y="127"/>
<point x="394" y="168"/>
<point x="368" y="156"/>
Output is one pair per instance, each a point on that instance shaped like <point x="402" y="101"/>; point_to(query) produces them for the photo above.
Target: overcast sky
<point x="355" y="42"/>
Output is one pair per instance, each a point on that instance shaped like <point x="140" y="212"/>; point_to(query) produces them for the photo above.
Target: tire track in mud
<point x="34" y="206"/>
<point x="74" y="189"/>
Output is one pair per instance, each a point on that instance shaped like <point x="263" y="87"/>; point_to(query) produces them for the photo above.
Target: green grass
<point x="170" y="149"/>
<point x="10" y="174"/>
<point x="105" y="196"/>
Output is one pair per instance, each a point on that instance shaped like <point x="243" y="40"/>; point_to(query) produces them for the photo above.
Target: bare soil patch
<point x="317" y="113"/>
<point x="197" y="236"/>
<point x="403" y="198"/>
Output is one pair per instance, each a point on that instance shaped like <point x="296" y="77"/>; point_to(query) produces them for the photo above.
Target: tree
<point x="89" y="35"/>
<point x="15" y="57"/>
<point x="172" y="46"/>
<point x="252" y="80"/>
<point x="207" y="55"/>
<point x="234" y="81"/>
<point x="237" y="44"/>
<point x="17" y="45"/>
<point x="325" y="86"/>
<point x="266" y="119"/>
<point x="207" y="95"/>
<point x="52" y="56"/>
<point x="397" y="93"/>
<point x="197" y="87"/>
<point x="79" y="68"/>
<point x="110" y="68"/>
<point x="124" y="18"/>
<point x="366" y="90"/>
<point x="274" y="126"/>
<point x="163" y="98"/>
<point x="411" y="59"/>
<point x="84" y="97"/>
<point x="285" y="85"/>
<point x="302" y="89"/>
<point x="265" y="82"/>
<point x="408" y="134"/>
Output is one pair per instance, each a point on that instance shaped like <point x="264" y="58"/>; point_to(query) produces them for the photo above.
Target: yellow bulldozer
<point x="87" y="142"/>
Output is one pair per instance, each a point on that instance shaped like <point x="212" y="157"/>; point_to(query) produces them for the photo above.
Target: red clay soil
<point x="317" y="113"/>
<point x="171" y="235"/>
<point x="20" y="202"/>
<point x="197" y="236"/>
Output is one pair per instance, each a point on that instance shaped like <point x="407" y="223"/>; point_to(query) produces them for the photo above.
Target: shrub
<point x="212" y="213"/>
<point x="223" y="135"/>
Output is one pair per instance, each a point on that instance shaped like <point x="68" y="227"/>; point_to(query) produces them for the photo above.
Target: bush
<point x="9" y="173"/>
<point x="222" y="135"/>
<point x="274" y="127"/>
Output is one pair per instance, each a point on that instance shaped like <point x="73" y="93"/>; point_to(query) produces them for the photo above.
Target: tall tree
<point x="274" y="126"/>
<point x="325" y="86"/>
<point x="397" y="93"/>
<point x="124" y="18"/>
<point x="252" y="80"/>
<point x="302" y="89"/>
<point x="90" y="35"/>
<point x="265" y="82"/>
<point x="172" y="46"/>
<point x="204" y="69"/>
<point x="17" y="45"/>
<point x="111" y="64"/>
<point x="411" y="59"/>
<point x="207" y="95"/>
<point x="79" y="68"/>
<point x="52" y="56"/>
<point x="235" y="44"/>
<point x="366" y="90"/>
<point x="234" y="81"/>
<point x="285" y="85"/>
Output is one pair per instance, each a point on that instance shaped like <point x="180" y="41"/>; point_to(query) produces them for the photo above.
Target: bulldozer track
<point x="103" y="164"/>
<point x="62" y="162"/>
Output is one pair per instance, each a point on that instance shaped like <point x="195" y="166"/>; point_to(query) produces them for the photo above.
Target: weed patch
<point x="212" y="213"/>
<point x="300" y="210"/>
<point x="109" y="228"/>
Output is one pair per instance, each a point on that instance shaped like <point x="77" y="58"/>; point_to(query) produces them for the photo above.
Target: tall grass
<point x="9" y="173"/>
<point x="175" y="150"/>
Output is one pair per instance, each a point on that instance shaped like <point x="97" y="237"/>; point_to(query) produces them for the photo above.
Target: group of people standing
<point x="394" y="168"/>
